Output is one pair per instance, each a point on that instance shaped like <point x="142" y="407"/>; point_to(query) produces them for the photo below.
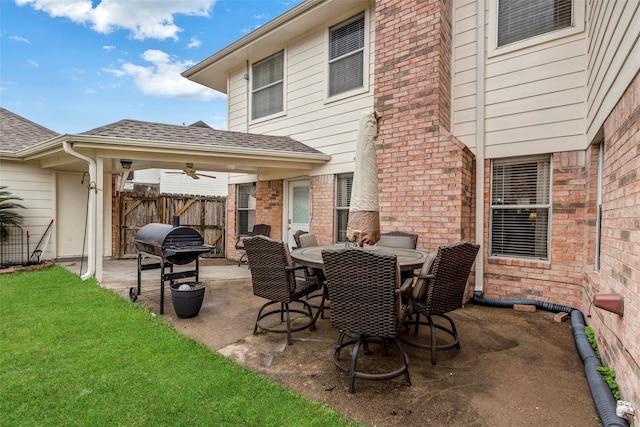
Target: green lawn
<point x="75" y="354"/>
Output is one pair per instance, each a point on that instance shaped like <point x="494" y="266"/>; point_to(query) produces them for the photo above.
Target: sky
<point x="75" y="65"/>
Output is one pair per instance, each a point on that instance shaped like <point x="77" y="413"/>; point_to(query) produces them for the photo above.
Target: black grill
<point x="170" y="245"/>
<point x="177" y="245"/>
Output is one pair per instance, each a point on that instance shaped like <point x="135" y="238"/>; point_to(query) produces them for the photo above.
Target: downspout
<point x="480" y="115"/>
<point x="246" y="77"/>
<point x="91" y="221"/>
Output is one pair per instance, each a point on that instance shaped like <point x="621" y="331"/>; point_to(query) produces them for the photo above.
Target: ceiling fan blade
<point x="192" y="174"/>
<point x="206" y="176"/>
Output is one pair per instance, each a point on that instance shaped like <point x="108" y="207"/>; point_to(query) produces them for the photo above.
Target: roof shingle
<point x="17" y="133"/>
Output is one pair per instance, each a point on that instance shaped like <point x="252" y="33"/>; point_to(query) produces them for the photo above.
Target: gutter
<point x="91" y="214"/>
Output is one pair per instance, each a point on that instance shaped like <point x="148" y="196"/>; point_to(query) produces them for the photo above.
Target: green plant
<point x="7" y="214"/>
<point x="591" y="336"/>
<point x="609" y="375"/>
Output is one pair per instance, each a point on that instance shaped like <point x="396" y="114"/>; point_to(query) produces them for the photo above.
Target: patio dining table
<point x="408" y="259"/>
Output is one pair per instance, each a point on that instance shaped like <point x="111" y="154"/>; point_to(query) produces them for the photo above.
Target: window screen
<point x="268" y="86"/>
<point x="246" y="216"/>
<point x="346" y="57"/>
<point x="520" y="207"/>
<point x="343" y="201"/>
<point x="523" y="19"/>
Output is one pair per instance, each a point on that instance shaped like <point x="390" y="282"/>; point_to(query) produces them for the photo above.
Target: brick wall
<point x="426" y="176"/>
<point x="618" y="336"/>
<point x="322" y="193"/>
<point x="558" y="280"/>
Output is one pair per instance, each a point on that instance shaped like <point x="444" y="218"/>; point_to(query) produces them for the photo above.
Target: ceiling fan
<point x="190" y="171"/>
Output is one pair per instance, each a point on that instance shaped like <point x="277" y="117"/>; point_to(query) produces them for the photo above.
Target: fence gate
<point x="206" y="214"/>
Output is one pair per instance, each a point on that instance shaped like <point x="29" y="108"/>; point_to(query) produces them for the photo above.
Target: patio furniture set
<point x="376" y="295"/>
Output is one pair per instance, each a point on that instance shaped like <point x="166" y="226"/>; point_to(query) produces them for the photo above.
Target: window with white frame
<point x="343" y="200"/>
<point x="522" y="19"/>
<point x="346" y="55"/>
<point x="246" y="213"/>
<point x="521" y="207"/>
<point x="267" y="90"/>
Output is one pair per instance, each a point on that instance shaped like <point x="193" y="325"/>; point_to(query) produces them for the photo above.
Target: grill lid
<point x="178" y="245"/>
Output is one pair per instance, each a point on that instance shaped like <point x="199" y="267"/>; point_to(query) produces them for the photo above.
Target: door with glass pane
<point x="299" y="212"/>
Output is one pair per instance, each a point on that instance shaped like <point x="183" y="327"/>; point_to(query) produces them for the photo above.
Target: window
<point x="523" y="19"/>
<point x="520" y="207"/>
<point x="246" y="216"/>
<point x="346" y="55"/>
<point x="343" y="199"/>
<point x="599" y="206"/>
<point x="268" y="86"/>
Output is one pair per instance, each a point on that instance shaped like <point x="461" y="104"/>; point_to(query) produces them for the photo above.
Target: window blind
<point x="346" y="57"/>
<point x="268" y="86"/>
<point x="523" y="19"/>
<point x="520" y="207"/>
<point x="343" y="200"/>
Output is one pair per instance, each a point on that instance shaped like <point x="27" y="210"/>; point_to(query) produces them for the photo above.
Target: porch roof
<point x="158" y="145"/>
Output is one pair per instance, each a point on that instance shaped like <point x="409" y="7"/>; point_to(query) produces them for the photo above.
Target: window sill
<point x="519" y="262"/>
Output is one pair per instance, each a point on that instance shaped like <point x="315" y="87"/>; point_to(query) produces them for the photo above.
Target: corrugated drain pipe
<point x="91" y="226"/>
<point x="600" y="391"/>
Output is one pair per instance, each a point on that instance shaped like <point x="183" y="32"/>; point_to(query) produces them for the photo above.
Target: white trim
<point x="285" y="90"/>
<point x="578" y="11"/>
<point x="365" y="57"/>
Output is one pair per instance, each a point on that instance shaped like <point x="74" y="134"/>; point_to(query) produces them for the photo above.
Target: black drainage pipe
<point x="600" y="391"/>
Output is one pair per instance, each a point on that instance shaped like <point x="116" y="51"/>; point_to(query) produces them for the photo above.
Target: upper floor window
<point x="520" y="207"/>
<point x="346" y="55"/>
<point x="523" y="19"/>
<point x="268" y="86"/>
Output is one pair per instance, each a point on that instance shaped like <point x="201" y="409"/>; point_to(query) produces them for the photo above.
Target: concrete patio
<point x="513" y="368"/>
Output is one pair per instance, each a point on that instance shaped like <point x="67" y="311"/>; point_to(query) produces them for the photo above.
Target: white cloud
<point x="19" y="39"/>
<point x="195" y="42"/>
<point x="33" y="63"/>
<point x="108" y="48"/>
<point x="144" y="19"/>
<point x="162" y="77"/>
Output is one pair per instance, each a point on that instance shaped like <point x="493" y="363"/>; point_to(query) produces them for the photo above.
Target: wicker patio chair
<point x="362" y="286"/>
<point x="439" y="289"/>
<point x="273" y="278"/>
<point x="398" y="239"/>
<point x="257" y="230"/>
<point x="296" y="237"/>
<point x="307" y="240"/>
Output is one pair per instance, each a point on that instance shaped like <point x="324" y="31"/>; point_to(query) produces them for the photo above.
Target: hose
<point x="600" y="392"/>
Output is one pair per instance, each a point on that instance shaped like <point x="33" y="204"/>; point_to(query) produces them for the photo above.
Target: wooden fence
<point x="205" y="214"/>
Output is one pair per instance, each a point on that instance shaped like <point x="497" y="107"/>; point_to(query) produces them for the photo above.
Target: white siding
<point x="613" y="56"/>
<point x="175" y="182"/>
<point x="35" y="186"/>
<point x="535" y="91"/>
<point x="463" y="122"/>
<point x="330" y="126"/>
<point x="183" y="184"/>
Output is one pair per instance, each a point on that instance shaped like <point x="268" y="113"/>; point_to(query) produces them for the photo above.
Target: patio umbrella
<point x="364" y="216"/>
